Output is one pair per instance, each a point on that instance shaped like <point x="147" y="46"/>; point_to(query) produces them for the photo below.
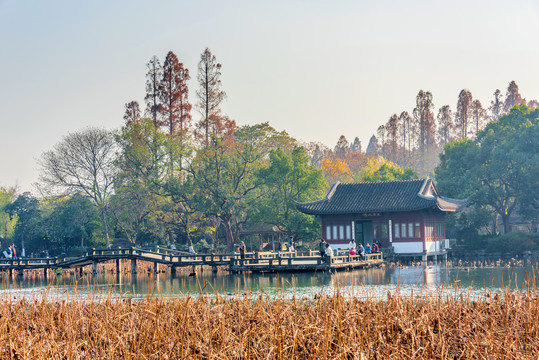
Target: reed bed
<point x="438" y="325"/>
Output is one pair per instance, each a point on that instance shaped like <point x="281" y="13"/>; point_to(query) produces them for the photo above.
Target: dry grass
<point x="441" y="325"/>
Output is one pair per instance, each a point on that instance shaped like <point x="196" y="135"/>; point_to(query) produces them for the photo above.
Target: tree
<point x="153" y="80"/>
<point x="446" y="127"/>
<point x="132" y="112"/>
<point x="264" y="138"/>
<point x="143" y="193"/>
<point x="223" y="182"/>
<point x="336" y="170"/>
<point x="316" y="152"/>
<point x="7" y="222"/>
<point x="144" y="151"/>
<point x="355" y="147"/>
<point x="424" y="120"/>
<point x="83" y="162"/>
<point x="462" y="117"/>
<point x="496" y="106"/>
<point x="173" y="94"/>
<point x="392" y="131"/>
<point x="406" y="123"/>
<point x="72" y="223"/>
<point x="381" y="139"/>
<point x="26" y="209"/>
<point x="342" y="147"/>
<point x="209" y="93"/>
<point x="379" y="169"/>
<point x="478" y="114"/>
<point x="499" y="169"/>
<point x="287" y="179"/>
<point x="134" y="208"/>
<point x="372" y="148"/>
<point x="512" y="97"/>
<point x="533" y="104"/>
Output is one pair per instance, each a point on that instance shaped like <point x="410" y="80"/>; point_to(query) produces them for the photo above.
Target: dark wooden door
<point x="364" y="232"/>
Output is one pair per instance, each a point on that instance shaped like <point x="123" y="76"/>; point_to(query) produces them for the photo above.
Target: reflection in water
<point x="361" y="283"/>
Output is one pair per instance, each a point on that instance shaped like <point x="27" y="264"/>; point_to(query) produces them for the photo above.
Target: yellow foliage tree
<point x="336" y="170"/>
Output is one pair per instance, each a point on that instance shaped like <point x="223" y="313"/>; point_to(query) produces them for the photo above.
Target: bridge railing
<point x="283" y="258"/>
<point x="28" y="261"/>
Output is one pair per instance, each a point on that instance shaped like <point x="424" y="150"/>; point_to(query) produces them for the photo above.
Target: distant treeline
<point x="164" y="178"/>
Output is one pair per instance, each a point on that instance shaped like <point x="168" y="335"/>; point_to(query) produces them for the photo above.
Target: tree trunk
<point x="495" y="224"/>
<point x="105" y="226"/>
<point x="505" y="219"/>
<point x="229" y="234"/>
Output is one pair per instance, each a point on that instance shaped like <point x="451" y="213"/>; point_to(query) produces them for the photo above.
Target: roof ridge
<point x="332" y="190"/>
<point x="384" y="182"/>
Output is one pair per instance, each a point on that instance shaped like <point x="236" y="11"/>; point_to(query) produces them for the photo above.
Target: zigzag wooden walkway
<point x="253" y="262"/>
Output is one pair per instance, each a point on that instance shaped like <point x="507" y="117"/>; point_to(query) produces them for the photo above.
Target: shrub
<point x="514" y="242"/>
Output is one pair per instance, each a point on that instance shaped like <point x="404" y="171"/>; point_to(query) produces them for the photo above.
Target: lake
<point x="366" y="283"/>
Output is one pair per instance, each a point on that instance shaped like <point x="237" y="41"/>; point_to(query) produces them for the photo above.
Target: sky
<point x="316" y="69"/>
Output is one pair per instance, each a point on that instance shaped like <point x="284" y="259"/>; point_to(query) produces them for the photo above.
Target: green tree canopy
<point x="287" y="179"/>
<point x="26" y="209"/>
<point x="72" y="223"/>
<point x="7" y="222"/>
<point x="499" y="169"/>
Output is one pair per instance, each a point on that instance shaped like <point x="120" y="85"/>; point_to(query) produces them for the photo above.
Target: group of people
<point x="11" y="252"/>
<point x="326" y="250"/>
<point x="360" y="250"/>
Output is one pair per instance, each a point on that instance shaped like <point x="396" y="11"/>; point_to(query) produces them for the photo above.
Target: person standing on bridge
<point x="322" y="247"/>
<point x="242" y="250"/>
<point x="329" y="253"/>
<point x="14" y="251"/>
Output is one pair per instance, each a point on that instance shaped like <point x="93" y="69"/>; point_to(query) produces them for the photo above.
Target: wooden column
<point x="133" y="266"/>
<point x="94" y="267"/>
<point x="117" y="266"/>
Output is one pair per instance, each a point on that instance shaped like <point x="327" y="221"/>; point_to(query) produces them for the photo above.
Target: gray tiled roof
<point x="391" y="196"/>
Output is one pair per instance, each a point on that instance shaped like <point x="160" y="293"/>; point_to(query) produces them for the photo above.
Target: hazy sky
<point x="317" y="69"/>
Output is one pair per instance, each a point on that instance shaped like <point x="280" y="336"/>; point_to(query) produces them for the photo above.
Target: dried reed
<point x="439" y="325"/>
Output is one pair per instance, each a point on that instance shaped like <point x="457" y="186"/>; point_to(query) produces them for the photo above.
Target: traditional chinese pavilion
<point x="407" y="215"/>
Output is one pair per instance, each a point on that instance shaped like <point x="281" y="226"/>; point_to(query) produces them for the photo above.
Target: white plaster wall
<point x="434" y="246"/>
<point x="408" y="247"/>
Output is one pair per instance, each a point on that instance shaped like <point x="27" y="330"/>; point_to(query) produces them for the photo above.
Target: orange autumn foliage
<point x="336" y="170"/>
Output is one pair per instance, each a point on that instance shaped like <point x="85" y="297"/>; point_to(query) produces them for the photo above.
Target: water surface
<point x="364" y="283"/>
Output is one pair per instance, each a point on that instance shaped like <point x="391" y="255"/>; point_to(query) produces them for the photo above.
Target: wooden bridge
<point x="251" y="261"/>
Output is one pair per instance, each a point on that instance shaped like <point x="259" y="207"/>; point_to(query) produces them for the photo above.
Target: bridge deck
<point x="256" y="261"/>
